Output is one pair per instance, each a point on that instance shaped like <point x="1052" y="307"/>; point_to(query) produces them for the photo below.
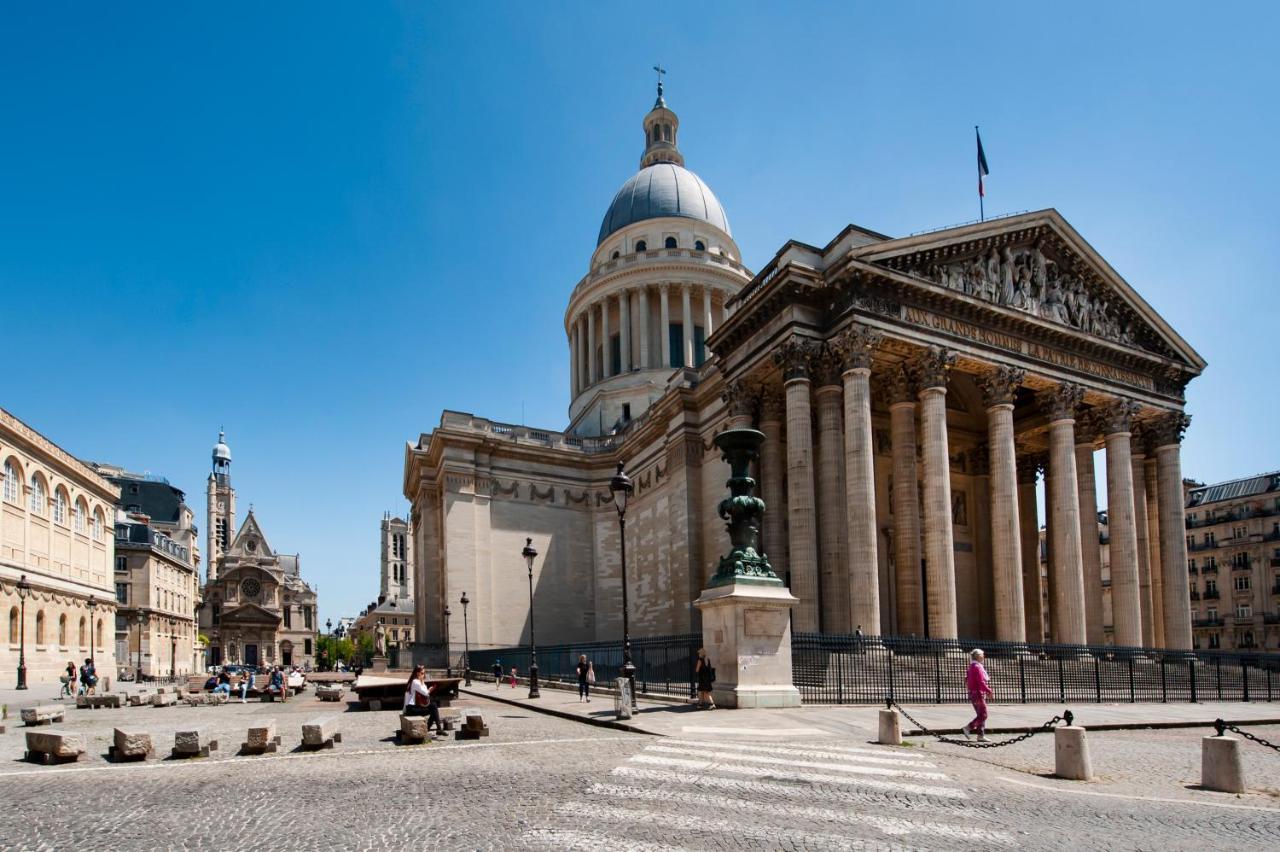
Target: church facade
<point x="911" y="392"/>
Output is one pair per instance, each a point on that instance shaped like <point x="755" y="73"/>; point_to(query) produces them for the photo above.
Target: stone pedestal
<point x="378" y="664"/>
<point x="890" y="728"/>
<point x="746" y="629"/>
<point x="1071" y="754"/>
<point x="1220" y="767"/>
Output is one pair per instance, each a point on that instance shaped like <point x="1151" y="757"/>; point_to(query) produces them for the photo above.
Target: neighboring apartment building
<point x="1233" y="549"/>
<point x="157" y="576"/>
<point x="56" y="549"/>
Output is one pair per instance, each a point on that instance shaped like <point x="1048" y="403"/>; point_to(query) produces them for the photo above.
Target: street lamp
<point x="529" y="555"/>
<point x="93" y="634"/>
<point x="138" y="619"/>
<point x="466" y="642"/>
<point x="333" y="652"/>
<point x="24" y="589"/>
<point x="448" y="661"/>
<point x="621" y="487"/>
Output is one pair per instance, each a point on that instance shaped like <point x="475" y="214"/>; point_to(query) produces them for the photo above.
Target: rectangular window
<point x="122" y="593"/>
<point x="1191" y="542"/>
<point x="122" y="533"/>
<point x="615" y="354"/>
<point x="217" y="614"/>
<point x="1242" y="583"/>
<point x="306" y="646"/>
<point x="288" y="616"/>
<point x="1211" y="614"/>
<point x="306" y="619"/>
<point x="1210" y="539"/>
<point x="1239" y="532"/>
<point x="1244" y="611"/>
<point x="699" y="346"/>
<point x="122" y="563"/>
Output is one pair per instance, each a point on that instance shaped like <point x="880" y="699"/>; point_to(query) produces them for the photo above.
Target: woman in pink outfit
<point x="979" y="688"/>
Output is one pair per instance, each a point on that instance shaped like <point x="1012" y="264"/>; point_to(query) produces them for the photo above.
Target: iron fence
<point x="831" y="669"/>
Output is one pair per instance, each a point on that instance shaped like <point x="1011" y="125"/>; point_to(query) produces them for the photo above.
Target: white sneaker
<point x="965" y="731"/>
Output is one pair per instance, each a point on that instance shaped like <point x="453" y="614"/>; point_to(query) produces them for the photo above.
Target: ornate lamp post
<point x="138" y="619"/>
<point x="24" y="589"/>
<point x="529" y="555"/>
<point x="173" y="648"/>
<point x="466" y="642"/>
<point x="448" y="654"/>
<point x="621" y="487"/>
<point x="93" y="633"/>
<point x="333" y="652"/>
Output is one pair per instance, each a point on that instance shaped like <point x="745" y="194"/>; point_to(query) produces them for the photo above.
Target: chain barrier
<point x="1066" y="716"/>
<point x="1222" y="727"/>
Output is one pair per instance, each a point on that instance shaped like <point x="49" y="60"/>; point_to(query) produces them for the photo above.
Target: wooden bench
<point x="43" y="714"/>
<point x="54" y="746"/>
<point x="193" y="742"/>
<point x="321" y="732"/>
<point x="261" y="738"/>
<point x="130" y="745"/>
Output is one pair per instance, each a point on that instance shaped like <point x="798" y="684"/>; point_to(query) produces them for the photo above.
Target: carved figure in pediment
<point x="1007" y="273"/>
<point x="1054" y="308"/>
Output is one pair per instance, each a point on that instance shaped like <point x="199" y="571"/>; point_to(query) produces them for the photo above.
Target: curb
<point x="1115" y="726"/>
<point x="550" y="711"/>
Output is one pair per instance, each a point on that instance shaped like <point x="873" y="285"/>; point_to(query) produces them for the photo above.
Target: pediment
<point x="1038" y="266"/>
<point x="250" y="542"/>
<point x="249" y="614"/>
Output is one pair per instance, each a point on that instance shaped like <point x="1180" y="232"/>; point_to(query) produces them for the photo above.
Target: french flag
<point x="983" y="171"/>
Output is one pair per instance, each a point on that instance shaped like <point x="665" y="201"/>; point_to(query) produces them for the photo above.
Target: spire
<point x="661" y="129"/>
<point x="660" y="103"/>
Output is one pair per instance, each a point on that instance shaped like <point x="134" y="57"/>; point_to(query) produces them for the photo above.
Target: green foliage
<point x="334" y="649"/>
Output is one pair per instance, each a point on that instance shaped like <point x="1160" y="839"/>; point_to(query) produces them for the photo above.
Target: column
<point x="906" y="503"/>
<point x="833" y="566"/>
<point x="930" y="370"/>
<point x="740" y="400"/>
<point x="706" y="312"/>
<point x="664" y="323"/>
<point x="802" y="534"/>
<point x="856" y="346"/>
<point x="606" y="361"/>
<point x="772" y="474"/>
<point x="1029" y="532"/>
<point x="592" y="377"/>
<point x="1090" y="546"/>
<point x="624" y="329"/>
<point x="1064" y="508"/>
<point x="1167" y="439"/>
<point x="642" y="312"/>
<point x="1126" y="612"/>
<point x="999" y="387"/>
<point x="1152" y="489"/>
<point x="686" y="291"/>
<point x="1138" y="458"/>
<point x="978" y="463"/>
<point x="580" y="343"/>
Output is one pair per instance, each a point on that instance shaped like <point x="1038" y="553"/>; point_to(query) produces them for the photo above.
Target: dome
<point x="221" y="452"/>
<point x="663" y="189"/>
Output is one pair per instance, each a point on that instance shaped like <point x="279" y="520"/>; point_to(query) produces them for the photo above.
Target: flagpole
<point x="982" y="213"/>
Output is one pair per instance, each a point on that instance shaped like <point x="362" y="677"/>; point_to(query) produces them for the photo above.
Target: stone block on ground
<point x="194" y="742"/>
<point x="130" y="745"/>
<point x="1071" y="754"/>
<point x="199" y="699"/>
<point x="164" y="699"/>
<point x="98" y="702"/>
<point x="261" y="738"/>
<point x="473" y="727"/>
<point x="321" y="732"/>
<point x="451" y="717"/>
<point x="330" y="693"/>
<point x="137" y="699"/>
<point x="1220" y="766"/>
<point x="43" y="714"/>
<point x="413" y="729"/>
<point x="890" y="728"/>
<point x="50" y="746"/>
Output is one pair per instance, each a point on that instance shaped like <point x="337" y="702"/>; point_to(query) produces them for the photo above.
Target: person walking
<point x="979" y="686"/>
<point x="420" y="701"/>
<point x="515" y="676"/>
<point x="88" y="677"/>
<point x="705" y="674"/>
<point x="497" y="674"/>
<point x="586" y="677"/>
<point x="69" y="681"/>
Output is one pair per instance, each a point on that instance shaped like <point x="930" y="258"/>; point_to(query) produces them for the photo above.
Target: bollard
<point x="1220" y="767"/>
<point x="890" y="728"/>
<point x="1071" y="754"/>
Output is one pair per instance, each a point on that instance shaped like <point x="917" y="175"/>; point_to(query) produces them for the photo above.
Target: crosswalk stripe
<point x="752" y="732"/>
<point x="872" y="757"/>
<point x="690" y="822"/>
<point x="894" y="826"/>
<point x="804" y="764"/>
<point x="810" y="777"/>
<point x="589" y="841"/>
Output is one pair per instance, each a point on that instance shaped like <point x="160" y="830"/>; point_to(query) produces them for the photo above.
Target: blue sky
<point x="320" y="224"/>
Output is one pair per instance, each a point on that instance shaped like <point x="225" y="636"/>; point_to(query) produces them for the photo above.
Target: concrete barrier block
<point x="43" y="714"/>
<point x="164" y="699"/>
<point x="130" y="745"/>
<point x="321" y="732"/>
<point x="330" y="693"/>
<point x="194" y="742"/>
<point x="1071" y="754"/>
<point x="413" y="729"/>
<point x="1220" y="766"/>
<point x="50" y="746"/>
<point x="473" y="727"/>
<point x="261" y="738"/>
<point x="890" y="728"/>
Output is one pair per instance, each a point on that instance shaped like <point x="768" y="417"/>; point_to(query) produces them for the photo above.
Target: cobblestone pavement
<point x="541" y="782"/>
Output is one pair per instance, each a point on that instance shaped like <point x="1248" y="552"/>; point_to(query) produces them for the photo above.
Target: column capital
<point x="855" y="346"/>
<point x="1061" y="402"/>
<point x="896" y="384"/>
<point x="827" y="365"/>
<point x="1167" y="429"/>
<point x="1000" y="384"/>
<point x="1117" y="417"/>
<point x="773" y="404"/>
<point x="664" y="287"/>
<point x="1088" y="426"/>
<point x="1030" y="465"/>
<point x="741" y="396"/>
<point x="795" y="355"/>
<point x="929" y="368"/>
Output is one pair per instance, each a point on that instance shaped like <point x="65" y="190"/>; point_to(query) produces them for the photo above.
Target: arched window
<point x="14" y="627"/>
<point x="84" y="633"/>
<point x="81" y="515"/>
<point x="60" y="507"/>
<point x="671" y="242"/>
<point x="98" y="524"/>
<point x="62" y="630"/>
<point x="641" y="245"/>
<point x="616" y="255"/>
<point x="38" y="494"/>
<point x="12" y="483"/>
<point x="699" y="245"/>
<point x="97" y="643"/>
<point x="40" y="627"/>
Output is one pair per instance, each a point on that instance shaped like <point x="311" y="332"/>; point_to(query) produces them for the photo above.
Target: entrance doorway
<point x="251" y="655"/>
<point x="286" y="653"/>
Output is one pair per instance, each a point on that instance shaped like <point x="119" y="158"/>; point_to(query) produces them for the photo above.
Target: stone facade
<point x="394" y="608"/>
<point x="56" y="522"/>
<point x="905" y="387"/>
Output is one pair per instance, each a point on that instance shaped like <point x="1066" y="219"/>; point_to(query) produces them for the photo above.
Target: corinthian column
<point x="740" y="400"/>
<point x="833" y="565"/>
<point x="1029" y="526"/>
<point x="592" y="376"/>
<point x="642" y="312"/>
<point x="856" y="346"/>
<point x="905" y="497"/>
<point x="930" y="370"/>
<point x="772" y="472"/>
<point x="687" y="329"/>
<point x="1167" y="439"/>
<point x="664" y="321"/>
<point x="999" y="387"/>
<point x="1152" y="489"/>
<point x="606" y="344"/>
<point x="794" y="357"/>
<point x="1137" y="458"/>
<point x="1126" y="611"/>
<point x="1064" y="507"/>
<point x="624" y="329"/>
<point x="706" y="312"/>
<point x="1090" y="546"/>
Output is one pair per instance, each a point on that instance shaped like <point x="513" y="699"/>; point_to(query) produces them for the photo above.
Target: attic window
<point x="671" y="242"/>
<point x="699" y="245"/>
<point x="641" y="245"/>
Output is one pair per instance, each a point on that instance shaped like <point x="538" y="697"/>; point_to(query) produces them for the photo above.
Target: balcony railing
<point x="1240" y="566"/>
<point x="1271" y="618"/>
<point x="1207" y="622"/>
<point x="1195" y="596"/>
<point x="1212" y="595"/>
<point x="1209" y="569"/>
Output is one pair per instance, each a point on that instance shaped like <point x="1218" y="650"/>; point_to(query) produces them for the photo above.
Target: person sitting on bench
<point x="418" y="700"/>
<point x="276" y="685"/>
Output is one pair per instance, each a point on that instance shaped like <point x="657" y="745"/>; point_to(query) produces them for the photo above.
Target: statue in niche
<point x="959" y="509"/>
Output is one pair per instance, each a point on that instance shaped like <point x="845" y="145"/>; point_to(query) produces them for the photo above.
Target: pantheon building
<point x="912" y="392"/>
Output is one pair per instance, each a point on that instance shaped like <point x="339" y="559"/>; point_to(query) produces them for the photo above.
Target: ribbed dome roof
<point x="663" y="189"/>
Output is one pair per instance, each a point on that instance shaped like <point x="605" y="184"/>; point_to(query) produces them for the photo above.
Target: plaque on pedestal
<point x="379" y="664"/>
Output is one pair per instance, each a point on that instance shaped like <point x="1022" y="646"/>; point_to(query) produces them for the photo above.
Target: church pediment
<point x="249" y="614"/>
<point x="250" y="541"/>
<point x="1038" y="266"/>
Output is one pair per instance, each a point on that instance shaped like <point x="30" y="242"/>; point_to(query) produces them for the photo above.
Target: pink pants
<point x="979" y="702"/>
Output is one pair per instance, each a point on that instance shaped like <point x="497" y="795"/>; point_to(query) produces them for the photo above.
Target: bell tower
<point x="221" y="528"/>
